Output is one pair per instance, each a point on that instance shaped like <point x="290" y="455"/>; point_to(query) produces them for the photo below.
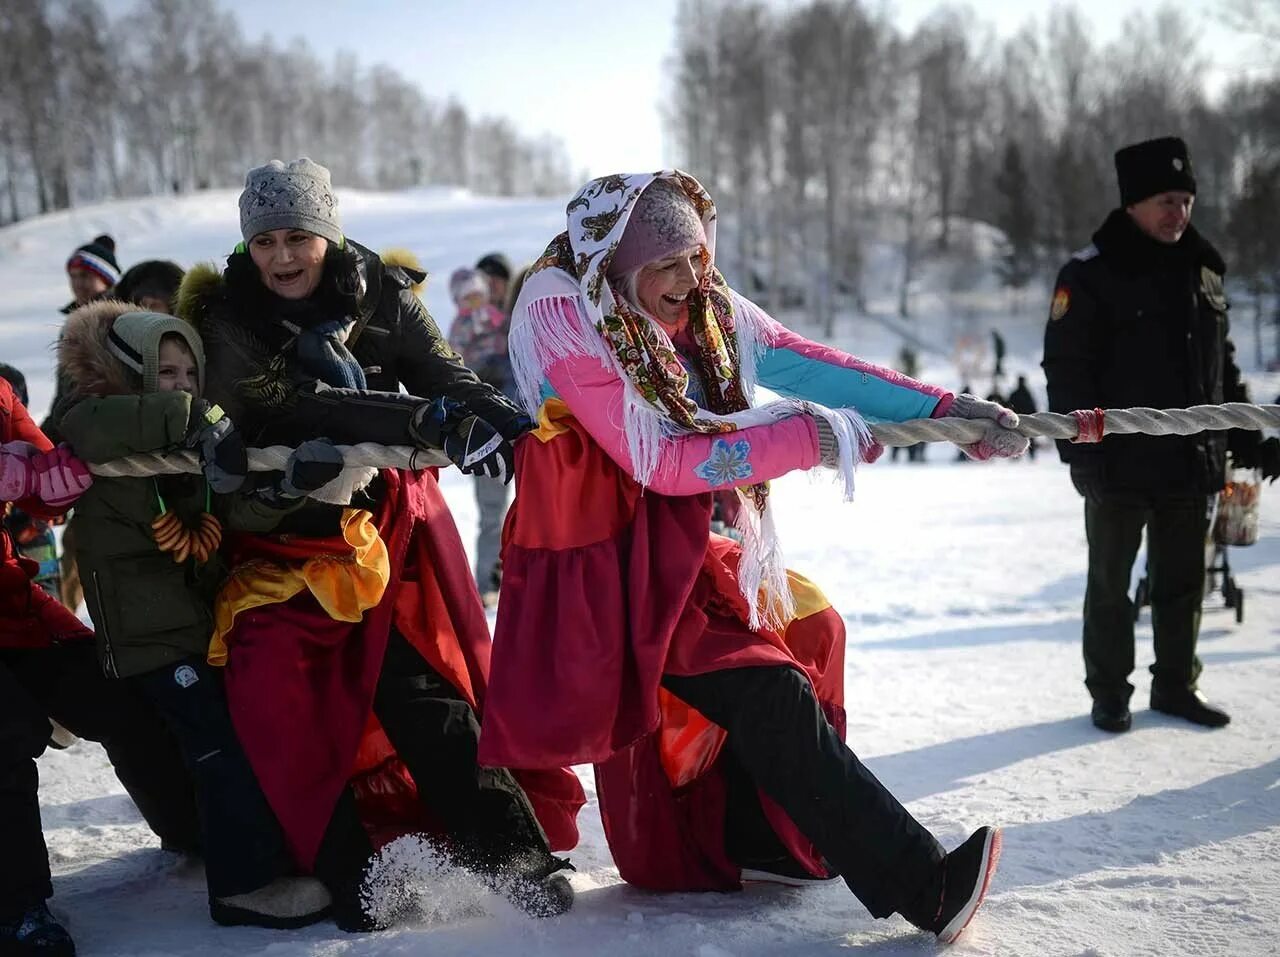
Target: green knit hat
<point x="134" y="339"/>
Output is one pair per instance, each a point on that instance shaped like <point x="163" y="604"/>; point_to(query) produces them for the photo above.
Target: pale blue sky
<point x="589" y="71"/>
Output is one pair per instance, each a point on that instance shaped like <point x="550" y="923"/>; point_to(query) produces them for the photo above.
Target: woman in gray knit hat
<point x="356" y="685"/>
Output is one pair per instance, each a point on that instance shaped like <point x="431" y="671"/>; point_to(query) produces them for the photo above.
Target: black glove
<point x="471" y="443"/>
<point x="1264" y="455"/>
<point x="313" y="464"/>
<point x="1088" y="477"/>
<point x="221" y="446"/>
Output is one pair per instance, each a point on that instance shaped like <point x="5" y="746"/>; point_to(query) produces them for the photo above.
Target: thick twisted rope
<point x="1053" y="425"/>
<point x="273" y="459"/>
<point x="1198" y="418"/>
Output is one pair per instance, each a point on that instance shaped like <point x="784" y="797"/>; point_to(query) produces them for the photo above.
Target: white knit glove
<point x="999" y="440"/>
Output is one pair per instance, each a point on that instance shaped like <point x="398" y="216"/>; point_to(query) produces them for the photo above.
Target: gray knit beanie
<point x="134" y="339"/>
<point x="297" y="196"/>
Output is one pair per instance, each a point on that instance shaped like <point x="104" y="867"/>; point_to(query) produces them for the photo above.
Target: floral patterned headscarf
<point x="598" y="217"/>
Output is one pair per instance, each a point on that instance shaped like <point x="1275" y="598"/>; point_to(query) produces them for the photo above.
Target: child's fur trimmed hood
<point x="83" y="355"/>
<point x="113" y="347"/>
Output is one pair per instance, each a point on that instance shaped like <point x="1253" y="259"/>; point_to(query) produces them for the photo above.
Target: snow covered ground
<point x="961" y="586"/>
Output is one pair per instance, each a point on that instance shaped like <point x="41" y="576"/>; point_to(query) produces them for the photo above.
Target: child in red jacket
<point x="49" y="669"/>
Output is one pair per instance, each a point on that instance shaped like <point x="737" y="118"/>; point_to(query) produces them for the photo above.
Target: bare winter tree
<point x="168" y="96"/>
<point x="825" y="133"/>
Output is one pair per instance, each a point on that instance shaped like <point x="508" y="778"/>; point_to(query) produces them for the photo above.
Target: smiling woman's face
<point x="290" y="261"/>
<point x="663" y="286"/>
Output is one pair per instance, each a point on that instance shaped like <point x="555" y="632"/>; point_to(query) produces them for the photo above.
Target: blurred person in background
<point x="497" y="271"/>
<point x="152" y="284"/>
<point x="32" y="536"/>
<point x="479" y="334"/>
<point x="1022" y="402"/>
<point x="92" y="272"/>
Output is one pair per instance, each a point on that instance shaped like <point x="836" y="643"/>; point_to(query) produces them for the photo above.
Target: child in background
<point x="148" y="553"/>
<point x="151" y="284"/>
<point x="479" y="335"/>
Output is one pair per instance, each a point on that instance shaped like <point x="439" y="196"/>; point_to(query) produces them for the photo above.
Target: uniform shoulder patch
<point x="1061" y="303"/>
<point x="1084" y="255"/>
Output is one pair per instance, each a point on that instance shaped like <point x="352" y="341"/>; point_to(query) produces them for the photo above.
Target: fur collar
<point x="83" y="355"/>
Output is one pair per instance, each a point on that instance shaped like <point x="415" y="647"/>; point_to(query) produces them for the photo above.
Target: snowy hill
<point x="961" y="586"/>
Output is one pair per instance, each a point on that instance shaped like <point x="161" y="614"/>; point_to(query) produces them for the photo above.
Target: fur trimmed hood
<point x="89" y="350"/>
<point x="85" y="358"/>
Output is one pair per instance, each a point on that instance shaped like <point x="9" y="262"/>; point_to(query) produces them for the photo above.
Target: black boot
<point x="35" y="933"/>
<point x="1111" y="714"/>
<point x="1189" y="704"/>
<point x="967" y="875"/>
<point x="535" y="882"/>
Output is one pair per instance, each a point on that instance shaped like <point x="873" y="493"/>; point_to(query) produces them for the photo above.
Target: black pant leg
<point x="342" y="860"/>
<point x="143" y="752"/>
<point x="436" y="734"/>
<point x="242" y="840"/>
<point x="24" y="859"/>
<point x="777" y="732"/>
<point x="1114" y="530"/>
<point x="749" y="838"/>
<point x="1176" y="559"/>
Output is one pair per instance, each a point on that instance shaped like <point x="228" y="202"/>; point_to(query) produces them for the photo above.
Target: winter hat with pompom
<point x="98" y="257"/>
<point x="663" y="222"/>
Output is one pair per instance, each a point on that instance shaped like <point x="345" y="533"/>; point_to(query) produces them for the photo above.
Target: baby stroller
<point x="1234" y="523"/>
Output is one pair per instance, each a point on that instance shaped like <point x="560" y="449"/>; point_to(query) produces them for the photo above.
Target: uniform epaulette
<point x="1084" y="255"/>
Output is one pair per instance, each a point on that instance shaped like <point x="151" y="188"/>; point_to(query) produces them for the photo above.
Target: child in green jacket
<point x="148" y="555"/>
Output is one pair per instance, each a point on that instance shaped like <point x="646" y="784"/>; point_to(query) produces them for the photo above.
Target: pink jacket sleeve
<point x="689" y="464"/>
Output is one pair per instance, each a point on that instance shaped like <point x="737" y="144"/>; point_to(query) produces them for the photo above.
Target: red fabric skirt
<point x="606" y="588"/>
<point x="300" y="685"/>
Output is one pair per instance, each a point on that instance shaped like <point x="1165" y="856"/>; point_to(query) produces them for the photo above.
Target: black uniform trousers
<point x="778" y="735"/>
<point x="484" y="811"/>
<point x="1176" y="529"/>
<point x="65" y="682"/>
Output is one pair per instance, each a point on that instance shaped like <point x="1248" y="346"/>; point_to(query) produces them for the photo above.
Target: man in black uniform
<point x="1139" y="318"/>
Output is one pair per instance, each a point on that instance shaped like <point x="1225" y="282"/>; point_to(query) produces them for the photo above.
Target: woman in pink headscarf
<point x="703" y="679"/>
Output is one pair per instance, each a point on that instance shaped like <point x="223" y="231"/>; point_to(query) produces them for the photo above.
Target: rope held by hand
<point x="1051" y="425"/>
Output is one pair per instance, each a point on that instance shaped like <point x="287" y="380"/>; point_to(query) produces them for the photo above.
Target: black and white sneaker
<point x="966" y="876"/>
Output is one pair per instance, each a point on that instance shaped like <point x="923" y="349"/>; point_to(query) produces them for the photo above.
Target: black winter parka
<point x="254" y="373"/>
<point x="1136" y="322"/>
